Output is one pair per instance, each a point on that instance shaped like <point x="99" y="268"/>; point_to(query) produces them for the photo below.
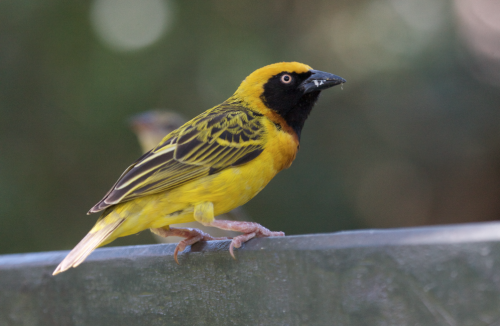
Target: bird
<point x="213" y="163"/>
<point x="150" y="127"/>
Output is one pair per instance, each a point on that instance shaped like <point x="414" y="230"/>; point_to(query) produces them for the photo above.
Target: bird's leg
<point x="204" y="213"/>
<point x="191" y="236"/>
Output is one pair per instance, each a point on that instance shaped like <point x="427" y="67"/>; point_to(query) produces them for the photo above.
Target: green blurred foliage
<point x="411" y="139"/>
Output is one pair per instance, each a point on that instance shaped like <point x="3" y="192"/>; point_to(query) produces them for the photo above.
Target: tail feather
<point x="88" y="244"/>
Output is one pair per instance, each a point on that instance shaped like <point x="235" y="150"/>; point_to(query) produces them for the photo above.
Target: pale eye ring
<point x="286" y="79"/>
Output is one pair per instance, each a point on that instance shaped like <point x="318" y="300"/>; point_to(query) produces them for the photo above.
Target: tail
<point x="104" y="227"/>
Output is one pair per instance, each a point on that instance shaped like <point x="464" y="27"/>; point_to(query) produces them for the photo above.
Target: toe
<point x="180" y="248"/>
<point x="238" y="241"/>
<point x="175" y="255"/>
<point x="231" y="251"/>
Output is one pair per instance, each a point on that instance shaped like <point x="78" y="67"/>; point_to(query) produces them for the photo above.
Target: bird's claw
<point x="180" y="247"/>
<point x="239" y="240"/>
<point x="191" y="237"/>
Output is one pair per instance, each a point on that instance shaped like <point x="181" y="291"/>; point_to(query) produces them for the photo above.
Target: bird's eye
<point x="286" y="79"/>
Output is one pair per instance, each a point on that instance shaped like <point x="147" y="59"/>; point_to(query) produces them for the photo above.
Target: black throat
<point x="296" y="117"/>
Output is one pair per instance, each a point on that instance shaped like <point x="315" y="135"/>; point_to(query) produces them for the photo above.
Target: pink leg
<point x="250" y="230"/>
<point x="192" y="236"/>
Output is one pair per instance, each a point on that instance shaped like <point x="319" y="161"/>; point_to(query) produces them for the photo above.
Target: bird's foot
<point x="250" y="230"/>
<point x="191" y="236"/>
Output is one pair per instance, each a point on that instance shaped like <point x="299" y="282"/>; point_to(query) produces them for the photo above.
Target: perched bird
<point x="150" y="128"/>
<point x="213" y="163"/>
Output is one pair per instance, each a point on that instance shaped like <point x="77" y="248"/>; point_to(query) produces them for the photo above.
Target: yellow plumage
<point x="210" y="165"/>
<point x="150" y="128"/>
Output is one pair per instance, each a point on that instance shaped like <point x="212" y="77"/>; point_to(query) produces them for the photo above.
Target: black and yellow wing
<point x="225" y="136"/>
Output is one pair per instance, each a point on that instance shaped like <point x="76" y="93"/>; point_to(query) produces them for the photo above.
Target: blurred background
<point x="412" y="139"/>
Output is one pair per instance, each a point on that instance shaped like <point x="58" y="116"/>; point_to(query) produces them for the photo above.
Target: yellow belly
<point x="227" y="190"/>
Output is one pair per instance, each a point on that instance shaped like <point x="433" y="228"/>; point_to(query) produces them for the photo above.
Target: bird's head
<point x="152" y="126"/>
<point x="286" y="89"/>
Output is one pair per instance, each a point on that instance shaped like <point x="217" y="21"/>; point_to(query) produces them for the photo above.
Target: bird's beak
<point x="141" y="121"/>
<point x="320" y="80"/>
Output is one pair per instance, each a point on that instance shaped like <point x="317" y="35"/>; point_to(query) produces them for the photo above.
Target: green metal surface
<point x="421" y="276"/>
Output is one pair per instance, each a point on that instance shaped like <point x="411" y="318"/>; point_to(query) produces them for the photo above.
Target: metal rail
<point x="447" y="275"/>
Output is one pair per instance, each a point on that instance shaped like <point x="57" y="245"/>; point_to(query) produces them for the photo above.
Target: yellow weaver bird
<point x="217" y="161"/>
<point x="150" y="128"/>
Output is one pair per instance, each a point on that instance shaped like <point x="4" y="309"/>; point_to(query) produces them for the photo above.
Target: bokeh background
<point x="412" y="139"/>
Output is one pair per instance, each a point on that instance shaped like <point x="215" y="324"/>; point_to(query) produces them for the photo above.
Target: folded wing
<point x="225" y="136"/>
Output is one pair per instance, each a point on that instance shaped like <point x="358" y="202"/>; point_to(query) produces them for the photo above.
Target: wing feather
<point x="225" y="136"/>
